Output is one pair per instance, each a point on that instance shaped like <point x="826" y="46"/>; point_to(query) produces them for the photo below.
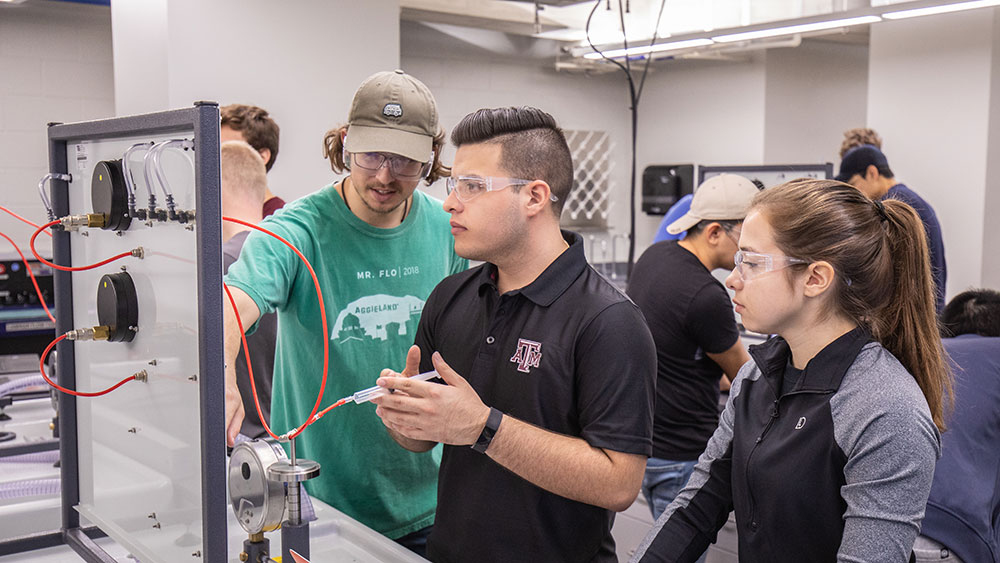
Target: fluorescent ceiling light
<point x="944" y="9"/>
<point x="646" y="49"/>
<point x="573" y="35"/>
<point x="793" y="29"/>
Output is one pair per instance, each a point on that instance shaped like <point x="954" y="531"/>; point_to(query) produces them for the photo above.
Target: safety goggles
<point x="399" y="166"/>
<point x="468" y="188"/>
<point x="750" y="265"/>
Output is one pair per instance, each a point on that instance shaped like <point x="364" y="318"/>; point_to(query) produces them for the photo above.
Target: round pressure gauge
<point x="118" y="306"/>
<point x="258" y="502"/>
<point x="109" y="194"/>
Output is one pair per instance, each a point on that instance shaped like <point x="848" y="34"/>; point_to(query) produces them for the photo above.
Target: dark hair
<point x="333" y="149"/>
<point x="976" y="311"/>
<point x="256" y="126"/>
<point x="532" y="146"/>
<point x="726" y="224"/>
<point x="859" y="159"/>
<point x="879" y="253"/>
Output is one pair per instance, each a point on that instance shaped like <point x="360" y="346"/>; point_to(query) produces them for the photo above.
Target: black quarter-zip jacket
<point x="836" y="469"/>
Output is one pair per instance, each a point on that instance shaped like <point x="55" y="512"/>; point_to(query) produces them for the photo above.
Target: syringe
<point x="366" y="395"/>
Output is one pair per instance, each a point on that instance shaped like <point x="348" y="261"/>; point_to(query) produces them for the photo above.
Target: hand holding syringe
<point x="366" y="395"/>
<point x="359" y="397"/>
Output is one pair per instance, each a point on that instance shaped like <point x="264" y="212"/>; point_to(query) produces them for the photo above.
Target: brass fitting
<point x="92" y="333"/>
<point x="89" y="220"/>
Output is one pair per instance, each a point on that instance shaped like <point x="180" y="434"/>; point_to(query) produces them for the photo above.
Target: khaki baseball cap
<point x="393" y="112"/>
<point x="725" y="197"/>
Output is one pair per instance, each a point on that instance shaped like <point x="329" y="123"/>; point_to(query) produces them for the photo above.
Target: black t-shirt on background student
<point x="689" y="314"/>
<point x="568" y="353"/>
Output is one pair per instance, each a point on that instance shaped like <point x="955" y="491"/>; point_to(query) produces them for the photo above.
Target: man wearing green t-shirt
<point x="378" y="248"/>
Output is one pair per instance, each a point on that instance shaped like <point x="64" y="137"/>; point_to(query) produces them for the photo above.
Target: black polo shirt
<point x="569" y="353"/>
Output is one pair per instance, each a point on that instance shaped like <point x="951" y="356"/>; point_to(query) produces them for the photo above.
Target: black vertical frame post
<point x="208" y="204"/>
<point x="69" y="469"/>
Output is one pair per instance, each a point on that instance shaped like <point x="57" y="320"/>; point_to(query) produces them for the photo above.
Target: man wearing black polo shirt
<point x="548" y="369"/>
<point x="691" y="317"/>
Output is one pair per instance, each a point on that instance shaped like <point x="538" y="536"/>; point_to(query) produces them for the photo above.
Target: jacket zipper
<point x="775" y="413"/>
<point x="753" y="504"/>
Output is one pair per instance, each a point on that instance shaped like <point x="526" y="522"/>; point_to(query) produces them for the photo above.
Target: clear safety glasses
<point x="399" y="166"/>
<point x="750" y="265"/>
<point x="468" y="188"/>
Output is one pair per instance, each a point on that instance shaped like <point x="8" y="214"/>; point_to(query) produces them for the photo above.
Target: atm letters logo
<point x="528" y="355"/>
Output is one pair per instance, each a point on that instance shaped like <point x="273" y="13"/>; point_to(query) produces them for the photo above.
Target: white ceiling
<point x="567" y="23"/>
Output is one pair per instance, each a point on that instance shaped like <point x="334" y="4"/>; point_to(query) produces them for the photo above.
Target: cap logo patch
<point x="392" y="110"/>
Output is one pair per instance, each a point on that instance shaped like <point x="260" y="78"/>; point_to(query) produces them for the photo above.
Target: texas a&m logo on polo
<point x="528" y="355"/>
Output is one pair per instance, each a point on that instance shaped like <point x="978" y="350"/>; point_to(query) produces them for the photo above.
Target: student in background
<point x="963" y="512"/>
<point x="827" y="446"/>
<point x="859" y="136"/>
<point x="254" y="126"/>
<point x="244" y="186"/>
<point x="691" y="318"/>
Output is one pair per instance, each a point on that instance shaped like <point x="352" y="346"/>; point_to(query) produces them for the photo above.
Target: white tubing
<point x="29" y="488"/>
<point x="50" y="456"/>
<point x="22" y="383"/>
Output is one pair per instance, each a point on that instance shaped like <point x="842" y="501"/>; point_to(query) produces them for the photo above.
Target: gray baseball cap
<point x="725" y="197"/>
<point x="393" y="112"/>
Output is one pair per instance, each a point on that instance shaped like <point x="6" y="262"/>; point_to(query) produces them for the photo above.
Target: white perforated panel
<point x="589" y="202"/>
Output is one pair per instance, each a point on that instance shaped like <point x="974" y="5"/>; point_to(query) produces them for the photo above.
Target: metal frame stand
<point x="203" y="118"/>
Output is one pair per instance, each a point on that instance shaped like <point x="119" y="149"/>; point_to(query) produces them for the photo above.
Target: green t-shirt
<point x="374" y="282"/>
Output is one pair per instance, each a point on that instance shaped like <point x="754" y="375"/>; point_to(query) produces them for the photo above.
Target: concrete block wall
<point x="55" y="65"/>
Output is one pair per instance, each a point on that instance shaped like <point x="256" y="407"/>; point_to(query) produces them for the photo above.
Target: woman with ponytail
<point x="827" y="446"/>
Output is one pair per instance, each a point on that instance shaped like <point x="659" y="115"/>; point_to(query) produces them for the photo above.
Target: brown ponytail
<point x="333" y="149"/>
<point x="879" y="252"/>
<point x="909" y="323"/>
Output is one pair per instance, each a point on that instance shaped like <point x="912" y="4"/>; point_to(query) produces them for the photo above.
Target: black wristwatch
<point x="490" y="430"/>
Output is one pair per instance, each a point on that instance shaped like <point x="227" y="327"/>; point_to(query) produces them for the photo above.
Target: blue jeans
<point x="663" y="481"/>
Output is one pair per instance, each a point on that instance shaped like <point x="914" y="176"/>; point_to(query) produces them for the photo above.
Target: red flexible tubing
<point x="41" y="368"/>
<point x="313" y="417"/>
<point x="31" y="243"/>
<point x="246" y="354"/>
<point x="329" y="408"/>
<point x="253" y="384"/>
<point x="32" y="275"/>
<point x="22" y="219"/>
<point x="322" y="311"/>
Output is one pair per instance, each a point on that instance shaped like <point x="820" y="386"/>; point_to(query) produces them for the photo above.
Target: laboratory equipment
<point x="370" y="393"/>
